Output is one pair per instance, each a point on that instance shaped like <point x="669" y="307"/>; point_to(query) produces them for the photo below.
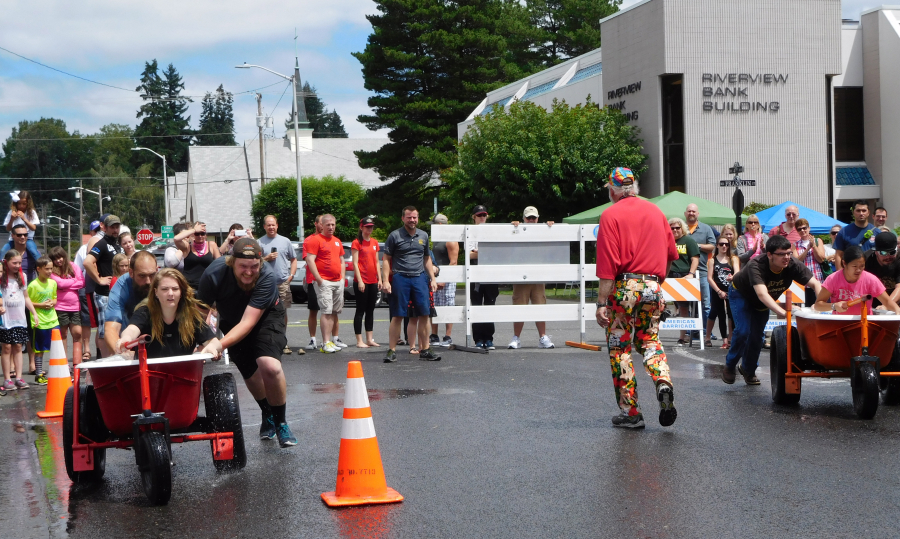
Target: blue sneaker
<point x="479" y="344"/>
<point x="285" y="436"/>
<point x="267" y="428"/>
<point x="489" y="345"/>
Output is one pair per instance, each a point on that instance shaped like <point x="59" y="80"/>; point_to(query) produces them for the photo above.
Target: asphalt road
<point x="516" y="443"/>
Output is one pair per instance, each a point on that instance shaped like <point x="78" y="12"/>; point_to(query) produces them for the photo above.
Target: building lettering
<point x="721" y="89"/>
<point x="624" y="90"/>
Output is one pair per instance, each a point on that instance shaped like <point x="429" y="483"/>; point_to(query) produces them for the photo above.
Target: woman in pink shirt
<point x="69" y="280"/>
<point x="852" y="282"/>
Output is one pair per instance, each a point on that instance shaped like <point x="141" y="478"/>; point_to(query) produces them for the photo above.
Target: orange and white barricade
<point x="684" y="289"/>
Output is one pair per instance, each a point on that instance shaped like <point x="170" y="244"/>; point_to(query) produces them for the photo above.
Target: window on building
<point x="673" y="133"/>
<point x="849" y="135"/>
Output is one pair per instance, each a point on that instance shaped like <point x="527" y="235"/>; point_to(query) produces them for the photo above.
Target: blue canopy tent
<point x="819" y="223"/>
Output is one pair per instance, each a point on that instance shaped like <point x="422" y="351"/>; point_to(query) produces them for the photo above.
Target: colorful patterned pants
<point x="633" y="311"/>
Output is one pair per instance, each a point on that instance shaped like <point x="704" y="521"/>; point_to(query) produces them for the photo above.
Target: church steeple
<point x="302" y="119"/>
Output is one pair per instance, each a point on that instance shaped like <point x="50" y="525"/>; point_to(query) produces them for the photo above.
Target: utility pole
<point x="44" y="225"/>
<point x="80" y="211"/>
<point x="100" y="190"/>
<point x="261" y="122"/>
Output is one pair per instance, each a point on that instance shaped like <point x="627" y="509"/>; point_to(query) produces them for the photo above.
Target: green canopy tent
<point x="589" y="217"/>
<point x="671" y="204"/>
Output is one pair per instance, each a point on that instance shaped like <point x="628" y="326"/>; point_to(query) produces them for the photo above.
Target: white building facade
<point x="799" y="97"/>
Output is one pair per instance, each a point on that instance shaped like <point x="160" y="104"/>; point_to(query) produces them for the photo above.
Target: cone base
<point x="45" y="415"/>
<point x="332" y="500"/>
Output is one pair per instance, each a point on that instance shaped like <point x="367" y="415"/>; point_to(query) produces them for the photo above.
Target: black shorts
<point x="267" y="338"/>
<point x="84" y="313"/>
<point x="313" y="300"/>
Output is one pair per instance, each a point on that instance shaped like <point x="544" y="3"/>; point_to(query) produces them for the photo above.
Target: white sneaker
<point x="515" y="343"/>
<point x="330" y="348"/>
<point x="545" y="342"/>
<point x="312" y="344"/>
<point x="339" y="343"/>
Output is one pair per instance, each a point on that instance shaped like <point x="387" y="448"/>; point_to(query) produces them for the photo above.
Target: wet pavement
<point x="516" y="443"/>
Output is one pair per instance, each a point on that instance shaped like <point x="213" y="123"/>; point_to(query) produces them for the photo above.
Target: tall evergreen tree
<point x="323" y="123"/>
<point x="429" y="63"/>
<point x="568" y="28"/>
<point x="217" y="119"/>
<point x="163" y="127"/>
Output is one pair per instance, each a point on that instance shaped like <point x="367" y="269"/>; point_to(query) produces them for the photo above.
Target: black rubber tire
<point x="778" y="365"/>
<point x="865" y="392"/>
<point x="91" y="424"/>
<point x="224" y="415"/>
<point x="156" y="473"/>
<point x="890" y="385"/>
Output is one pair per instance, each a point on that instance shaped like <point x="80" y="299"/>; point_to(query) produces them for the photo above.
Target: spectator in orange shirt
<point x="325" y="260"/>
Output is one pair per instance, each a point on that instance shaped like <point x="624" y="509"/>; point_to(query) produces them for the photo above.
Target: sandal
<point x="707" y="343"/>
<point x="725" y="345"/>
<point x="86" y="356"/>
<point x="682" y="342"/>
<point x="413" y="350"/>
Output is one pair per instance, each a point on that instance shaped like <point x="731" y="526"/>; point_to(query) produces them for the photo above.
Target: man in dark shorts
<point x="753" y="292"/>
<point x="125" y="295"/>
<point x="98" y="267"/>
<point x="407" y="255"/>
<point x="635" y="248"/>
<point x="245" y="293"/>
<point x="882" y="263"/>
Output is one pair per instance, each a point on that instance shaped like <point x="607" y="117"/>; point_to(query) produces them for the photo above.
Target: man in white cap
<point x="534" y="292"/>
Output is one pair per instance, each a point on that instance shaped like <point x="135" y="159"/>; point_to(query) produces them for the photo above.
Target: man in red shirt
<point x="325" y="260"/>
<point x="634" y="250"/>
<point x="786" y="228"/>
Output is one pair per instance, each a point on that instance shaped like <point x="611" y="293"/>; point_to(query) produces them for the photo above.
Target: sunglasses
<point x="675" y="227"/>
<point x="752" y="222"/>
<point x="481" y="214"/>
<point x="531" y="218"/>
<point x="788" y="253"/>
<point x="22" y="235"/>
<point x="199" y="233"/>
<point x="723" y="245"/>
<point x="892" y="252"/>
<point x="833" y="233"/>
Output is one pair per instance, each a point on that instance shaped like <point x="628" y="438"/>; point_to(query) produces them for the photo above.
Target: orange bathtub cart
<point x="863" y="348"/>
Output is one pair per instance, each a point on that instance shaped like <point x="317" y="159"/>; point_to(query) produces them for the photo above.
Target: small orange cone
<point x="360" y="475"/>
<point x="58" y="380"/>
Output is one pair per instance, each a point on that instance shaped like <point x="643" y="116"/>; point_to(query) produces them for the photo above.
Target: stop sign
<point x="145" y="237"/>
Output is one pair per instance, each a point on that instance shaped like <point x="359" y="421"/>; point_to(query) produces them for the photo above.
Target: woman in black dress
<point x="198" y="253"/>
<point x="173" y="318"/>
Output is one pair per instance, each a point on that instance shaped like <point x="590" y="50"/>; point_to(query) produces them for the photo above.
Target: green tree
<point x="429" y="64"/>
<point x="557" y="160"/>
<point x="335" y="195"/>
<point x="568" y="28"/>
<point x="323" y="123"/>
<point x="40" y="151"/>
<point x="135" y="198"/>
<point x="755" y="207"/>
<point x="216" y="119"/>
<point x="163" y="128"/>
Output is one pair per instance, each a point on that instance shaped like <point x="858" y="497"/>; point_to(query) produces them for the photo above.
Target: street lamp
<point x="165" y="180"/>
<point x="65" y="204"/>
<point x="68" y="232"/>
<point x="98" y="193"/>
<point x="296" y="140"/>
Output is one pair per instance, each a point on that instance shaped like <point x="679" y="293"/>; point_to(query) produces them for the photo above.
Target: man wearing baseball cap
<point x="534" y="292"/>
<point x="635" y="248"/>
<point x="251" y="315"/>
<point x="98" y="268"/>
<point x="83" y="293"/>
<point x="882" y="262"/>
<point x="482" y="293"/>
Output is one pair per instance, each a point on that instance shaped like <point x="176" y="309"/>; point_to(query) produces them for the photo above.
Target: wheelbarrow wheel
<point x="224" y="415"/>
<point x="91" y="425"/>
<point x="156" y="473"/>
<point x="890" y="385"/>
<point x="778" y="365"/>
<point x="865" y="392"/>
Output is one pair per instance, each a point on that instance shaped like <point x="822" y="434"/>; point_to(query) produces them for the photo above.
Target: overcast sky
<point x="109" y="41"/>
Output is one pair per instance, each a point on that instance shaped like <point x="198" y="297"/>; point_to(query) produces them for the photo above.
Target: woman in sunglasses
<point x="752" y="242"/>
<point x="850" y="283"/>
<point x="197" y="251"/>
<point x="723" y="265"/>
<point x="811" y="251"/>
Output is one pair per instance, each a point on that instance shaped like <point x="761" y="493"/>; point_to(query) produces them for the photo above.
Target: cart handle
<point x="859" y="300"/>
<point x="143" y="339"/>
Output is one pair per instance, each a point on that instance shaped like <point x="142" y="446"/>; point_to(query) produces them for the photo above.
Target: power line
<point x="72" y="139"/>
<point x="65" y="73"/>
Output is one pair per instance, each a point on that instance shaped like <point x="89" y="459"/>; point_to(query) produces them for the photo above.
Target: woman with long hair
<point x="22" y="212"/>
<point x="721" y="270"/>
<point x="367" y="274"/>
<point x="172" y="317"/>
<point x="126" y="240"/>
<point x="752" y="242"/>
<point x="14" y="330"/>
<point x="69" y="280"/>
<point x="729" y="232"/>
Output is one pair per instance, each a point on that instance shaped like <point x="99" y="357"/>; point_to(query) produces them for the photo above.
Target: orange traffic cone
<point x="360" y="475"/>
<point x="58" y="380"/>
